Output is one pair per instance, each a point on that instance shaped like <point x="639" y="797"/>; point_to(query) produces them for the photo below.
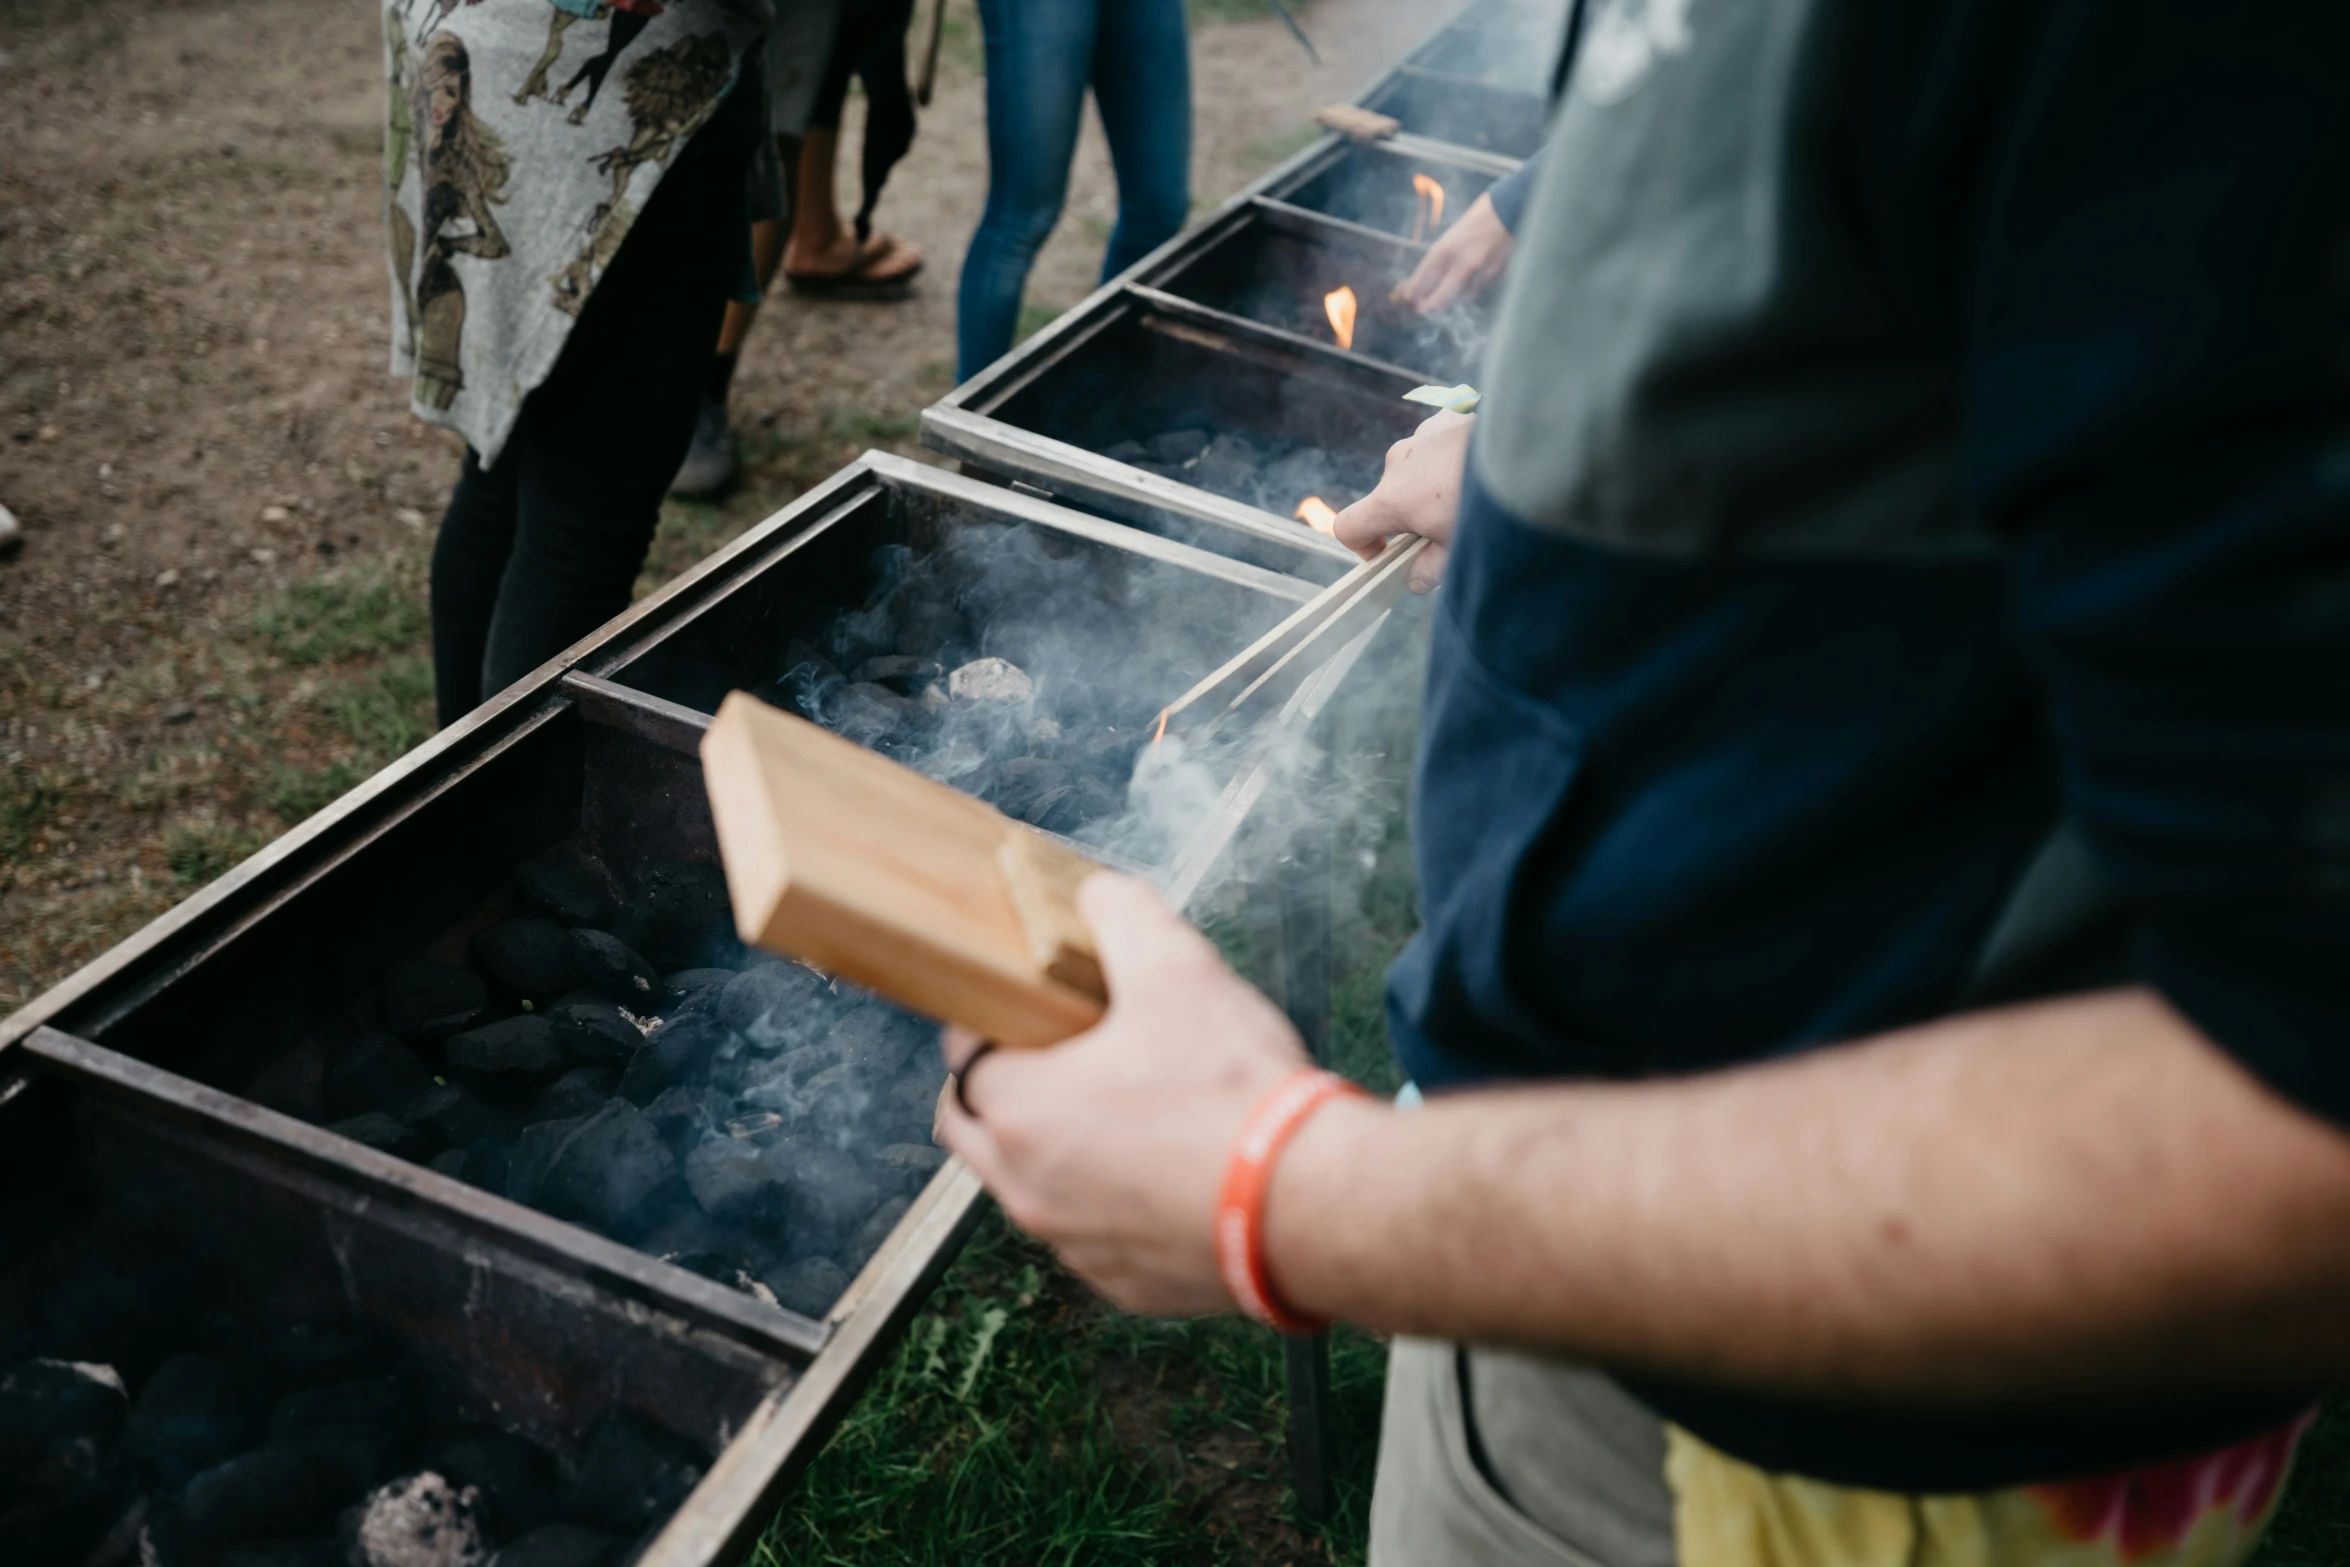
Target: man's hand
<point x="1420" y="492"/>
<point x="1465" y="258"/>
<point x="1112" y="1147"/>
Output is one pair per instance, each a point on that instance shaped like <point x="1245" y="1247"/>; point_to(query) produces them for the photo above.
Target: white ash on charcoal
<point x="417" y="1521"/>
<point x="1011" y="665"/>
<point x="205" y="1437"/>
<point x="1270" y="472"/>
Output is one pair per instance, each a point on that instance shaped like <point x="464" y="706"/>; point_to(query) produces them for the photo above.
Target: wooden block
<point x="843" y="858"/>
<point x="1358" y="123"/>
<point x="1044" y="878"/>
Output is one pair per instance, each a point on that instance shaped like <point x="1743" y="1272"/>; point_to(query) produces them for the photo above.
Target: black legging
<point x="542" y="546"/>
<point x="871" y="46"/>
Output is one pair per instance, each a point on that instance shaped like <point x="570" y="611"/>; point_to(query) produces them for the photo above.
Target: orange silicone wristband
<point x="1240" y="1206"/>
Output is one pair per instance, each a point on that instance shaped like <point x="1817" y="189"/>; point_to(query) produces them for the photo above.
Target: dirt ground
<point x="215" y="622"/>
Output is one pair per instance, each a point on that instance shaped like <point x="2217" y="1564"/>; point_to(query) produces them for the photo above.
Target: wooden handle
<point x="842" y="858"/>
<point x="1353" y="121"/>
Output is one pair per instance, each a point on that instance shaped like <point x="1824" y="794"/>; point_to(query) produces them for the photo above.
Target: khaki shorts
<point x="1497" y="1460"/>
<point x="1558" y="1467"/>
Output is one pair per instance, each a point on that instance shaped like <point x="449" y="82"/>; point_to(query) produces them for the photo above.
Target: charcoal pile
<point x="1026" y="678"/>
<point x="138" y="1425"/>
<point x="1270" y="472"/>
<point x="614" y="1057"/>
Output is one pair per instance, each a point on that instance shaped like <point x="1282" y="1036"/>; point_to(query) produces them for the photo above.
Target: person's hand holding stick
<point x="1419" y="493"/>
<point x="1465" y="259"/>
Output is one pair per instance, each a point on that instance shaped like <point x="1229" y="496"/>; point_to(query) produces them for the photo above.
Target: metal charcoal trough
<point x="1187" y="421"/>
<point x="1370" y="183"/>
<point x="1278" y="266"/>
<point x="741" y="1153"/>
<point x="1480" y="81"/>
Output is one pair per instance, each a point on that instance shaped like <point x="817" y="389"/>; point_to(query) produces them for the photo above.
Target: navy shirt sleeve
<point x="2157" y="346"/>
<point x="1509" y="193"/>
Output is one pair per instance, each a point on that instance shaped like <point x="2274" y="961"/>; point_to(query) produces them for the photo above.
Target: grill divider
<point x="1249" y="339"/>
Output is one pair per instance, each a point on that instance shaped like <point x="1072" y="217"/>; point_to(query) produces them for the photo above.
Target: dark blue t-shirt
<point x="1905" y="566"/>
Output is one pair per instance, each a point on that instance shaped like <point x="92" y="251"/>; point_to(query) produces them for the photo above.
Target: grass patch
<point x="863" y="427"/>
<point x="365" y="610"/>
<point x="1023" y="1420"/>
<point x="28" y="803"/>
<point x="2312" y="1527"/>
<point x="296" y="793"/>
<point x="385" y="714"/>
<point x="197" y="854"/>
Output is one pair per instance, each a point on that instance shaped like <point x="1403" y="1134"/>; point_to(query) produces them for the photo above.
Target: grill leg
<point x="1306" y="1368"/>
<point x="1297" y="950"/>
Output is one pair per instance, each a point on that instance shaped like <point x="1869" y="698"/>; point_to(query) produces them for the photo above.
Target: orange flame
<point x="1162" y="733"/>
<point x="1431" y="202"/>
<point x="1339" y="306"/>
<point x="1317" y="514"/>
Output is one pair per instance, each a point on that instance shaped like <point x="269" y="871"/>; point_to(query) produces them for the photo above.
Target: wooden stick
<point x="1270" y="668"/>
<point x="838" y="856"/>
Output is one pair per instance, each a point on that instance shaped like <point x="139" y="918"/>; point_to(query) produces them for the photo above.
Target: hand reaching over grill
<point x="1464" y="260"/>
<point x="1112" y="1147"/>
<point x="1420" y="493"/>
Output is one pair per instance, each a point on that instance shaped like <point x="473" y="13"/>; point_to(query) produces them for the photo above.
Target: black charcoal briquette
<point x="508" y="1057"/>
<point x="373" y="1072"/>
<point x="608" y="964"/>
<point x="384" y="1133"/>
<point x="578" y="1092"/>
<point x="808" y="1286"/>
<point x="735" y="1181"/>
<point x="425" y="1003"/>
<point x="776" y="1006"/>
<point x="608" y="1172"/>
<point x="196" y="1411"/>
<point x="273" y="1492"/>
<point x="52" y="1410"/>
<point x="684" y="1116"/>
<point x="531" y="958"/>
<point x="321" y="1552"/>
<point x="678" y="1053"/>
<point x="631" y="1475"/>
<point x="593" y="1032"/>
<point x="361" y="1433"/>
<point x="568" y="884"/>
<point x="680" y="917"/>
<point x="561" y="1545"/>
<point x="518" y="1486"/>
<point x="453" y="1114"/>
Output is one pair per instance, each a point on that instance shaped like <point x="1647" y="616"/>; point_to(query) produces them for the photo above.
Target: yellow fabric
<point x="1731" y="1514"/>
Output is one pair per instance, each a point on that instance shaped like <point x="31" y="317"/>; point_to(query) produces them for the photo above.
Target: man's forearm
<point x="2079" y="1194"/>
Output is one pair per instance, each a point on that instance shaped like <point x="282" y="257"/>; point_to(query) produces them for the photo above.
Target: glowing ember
<point x="1317" y="514"/>
<point x="1431" y="199"/>
<point x="1339" y="305"/>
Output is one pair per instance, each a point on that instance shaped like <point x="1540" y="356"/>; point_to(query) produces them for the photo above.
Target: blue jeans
<point x="1040" y="56"/>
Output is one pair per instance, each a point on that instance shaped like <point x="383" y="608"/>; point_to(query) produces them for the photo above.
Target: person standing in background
<point x="557" y="275"/>
<point x="1041" y="55"/>
<point x="813" y="49"/>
